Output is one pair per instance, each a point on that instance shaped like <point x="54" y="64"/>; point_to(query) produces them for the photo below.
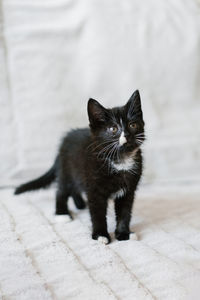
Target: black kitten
<point x="103" y="161"/>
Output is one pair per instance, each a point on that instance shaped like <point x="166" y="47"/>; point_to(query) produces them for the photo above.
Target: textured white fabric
<point x="44" y="259"/>
<point x="54" y="55"/>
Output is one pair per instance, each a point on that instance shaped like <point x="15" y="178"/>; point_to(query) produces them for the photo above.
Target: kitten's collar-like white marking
<point x="103" y="240"/>
<point x="127" y="164"/>
<point x="118" y="194"/>
<point x="122" y="139"/>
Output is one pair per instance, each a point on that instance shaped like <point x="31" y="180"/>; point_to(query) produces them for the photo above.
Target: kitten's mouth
<point x="128" y="147"/>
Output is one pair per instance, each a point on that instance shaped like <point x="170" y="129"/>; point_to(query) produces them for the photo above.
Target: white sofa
<point x="54" y="55"/>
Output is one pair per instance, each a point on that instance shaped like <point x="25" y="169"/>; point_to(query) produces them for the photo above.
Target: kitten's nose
<point x="122" y="139"/>
<point x="126" y="134"/>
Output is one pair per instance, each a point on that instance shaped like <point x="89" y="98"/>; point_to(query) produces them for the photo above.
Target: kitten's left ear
<point x="96" y="113"/>
<point x="134" y="105"/>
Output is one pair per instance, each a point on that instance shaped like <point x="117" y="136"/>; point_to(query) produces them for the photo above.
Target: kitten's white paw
<point x="62" y="219"/>
<point x="133" y="236"/>
<point x="103" y="240"/>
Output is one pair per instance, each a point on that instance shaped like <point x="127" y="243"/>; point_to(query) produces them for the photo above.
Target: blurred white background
<point x="54" y="55"/>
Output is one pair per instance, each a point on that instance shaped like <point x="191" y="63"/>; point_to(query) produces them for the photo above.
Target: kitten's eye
<point x="113" y="129"/>
<point x="132" y="125"/>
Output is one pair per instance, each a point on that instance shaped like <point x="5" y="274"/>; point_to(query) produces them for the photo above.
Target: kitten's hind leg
<point x="61" y="202"/>
<point x="78" y="200"/>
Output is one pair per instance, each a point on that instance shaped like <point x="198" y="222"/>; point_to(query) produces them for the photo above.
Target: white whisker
<point x="105" y="149"/>
<point x="140" y="135"/>
<point x="138" y="142"/>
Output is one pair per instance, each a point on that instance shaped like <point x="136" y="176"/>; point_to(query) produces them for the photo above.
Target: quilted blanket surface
<point x="43" y="259"/>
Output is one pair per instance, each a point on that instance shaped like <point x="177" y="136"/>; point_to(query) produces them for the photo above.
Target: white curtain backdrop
<point x="54" y="55"/>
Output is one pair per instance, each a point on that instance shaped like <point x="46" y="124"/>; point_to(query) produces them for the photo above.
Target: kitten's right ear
<point x="134" y="105"/>
<point x="96" y="112"/>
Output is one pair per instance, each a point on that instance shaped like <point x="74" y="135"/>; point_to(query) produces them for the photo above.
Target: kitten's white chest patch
<point x="118" y="194"/>
<point x="126" y="165"/>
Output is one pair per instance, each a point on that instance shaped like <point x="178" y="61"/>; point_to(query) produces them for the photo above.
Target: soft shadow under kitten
<point x="104" y="161"/>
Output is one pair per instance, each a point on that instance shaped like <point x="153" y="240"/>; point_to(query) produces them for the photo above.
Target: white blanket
<point x="41" y="259"/>
<point x="54" y="55"/>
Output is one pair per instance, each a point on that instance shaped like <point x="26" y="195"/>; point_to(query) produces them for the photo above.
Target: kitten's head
<point x="120" y="129"/>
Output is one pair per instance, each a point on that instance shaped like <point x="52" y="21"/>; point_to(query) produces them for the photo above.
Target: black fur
<point x="41" y="182"/>
<point x="85" y="163"/>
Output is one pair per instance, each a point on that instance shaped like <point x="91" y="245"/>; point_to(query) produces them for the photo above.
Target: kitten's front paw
<point x="102" y="238"/>
<point x="133" y="236"/>
<point x="122" y="236"/>
<point x="62" y="218"/>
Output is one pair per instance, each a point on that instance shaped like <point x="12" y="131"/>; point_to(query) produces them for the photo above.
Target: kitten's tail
<point x="41" y="182"/>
